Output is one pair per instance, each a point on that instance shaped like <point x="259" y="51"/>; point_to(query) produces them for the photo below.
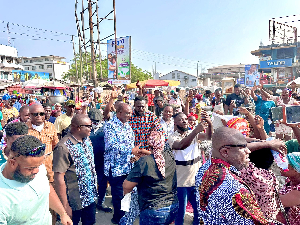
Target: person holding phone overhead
<point x="262" y="106"/>
<point x="234" y="101"/>
<point x="282" y="131"/>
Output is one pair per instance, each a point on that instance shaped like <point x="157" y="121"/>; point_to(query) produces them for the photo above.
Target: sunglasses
<point x="87" y="126"/>
<point x="34" y="152"/>
<point x="36" y="114"/>
<point x="233" y="146"/>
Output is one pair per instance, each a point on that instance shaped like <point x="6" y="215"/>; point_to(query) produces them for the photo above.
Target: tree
<point x="136" y="72"/>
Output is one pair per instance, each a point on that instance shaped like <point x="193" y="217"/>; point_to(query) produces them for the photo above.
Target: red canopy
<point x="155" y="83"/>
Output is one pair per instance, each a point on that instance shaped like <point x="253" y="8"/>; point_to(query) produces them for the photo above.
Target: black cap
<point x="95" y="114"/>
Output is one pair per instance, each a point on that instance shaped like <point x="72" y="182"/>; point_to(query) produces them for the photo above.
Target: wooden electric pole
<point x="93" y="61"/>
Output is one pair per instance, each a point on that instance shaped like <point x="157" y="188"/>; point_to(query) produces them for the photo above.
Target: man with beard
<point x="188" y="158"/>
<point x="143" y="122"/>
<point x="8" y="110"/>
<point x="25" y="192"/>
<point x="223" y="197"/>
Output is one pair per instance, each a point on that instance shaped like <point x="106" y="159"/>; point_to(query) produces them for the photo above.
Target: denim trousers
<point x="116" y="184"/>
<point x="162" y="216"/>
<point x="87" y="215"/>
<point x="186" y="194"/>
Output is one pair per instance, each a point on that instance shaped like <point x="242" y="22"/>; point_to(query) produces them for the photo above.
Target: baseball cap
<point x="95" y="114"/>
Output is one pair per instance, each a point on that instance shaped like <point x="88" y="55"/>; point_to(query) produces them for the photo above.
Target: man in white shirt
<point x="25" y="192"/>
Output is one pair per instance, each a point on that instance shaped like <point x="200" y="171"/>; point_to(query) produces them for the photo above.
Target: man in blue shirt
<point x="119" y="150"/>
<point x="97" y="138"/>
<point x="17" y="105"/>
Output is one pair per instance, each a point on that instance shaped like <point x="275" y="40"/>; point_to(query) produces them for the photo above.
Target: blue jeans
<point x="87" y="215"/>
<point x="186" y="194"/>
<point x="162" y="216"/>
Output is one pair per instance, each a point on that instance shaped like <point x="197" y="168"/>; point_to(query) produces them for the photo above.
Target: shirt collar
<point x="116" y="120"/>
<point x="11" y="183"/>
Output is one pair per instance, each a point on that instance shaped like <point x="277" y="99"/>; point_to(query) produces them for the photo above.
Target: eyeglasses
<point x="86" y="125"/>
<point x="36" y="114"/>
<point x="234" y="146"/>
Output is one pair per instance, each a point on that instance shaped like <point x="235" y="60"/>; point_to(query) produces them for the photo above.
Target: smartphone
<point x="292" y="114"/>
<point x="277" y="113"/>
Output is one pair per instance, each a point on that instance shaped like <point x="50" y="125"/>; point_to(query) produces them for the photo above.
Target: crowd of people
<point x="162" y="153"/>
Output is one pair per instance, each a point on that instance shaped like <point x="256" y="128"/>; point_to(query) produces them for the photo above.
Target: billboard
<point x="276" y="63"/>
<point x="22" y="75"/>
<point x="123" y="60"/>
<point x="251" y="75"/>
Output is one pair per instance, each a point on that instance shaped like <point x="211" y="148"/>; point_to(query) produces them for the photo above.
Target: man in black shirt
<point x="234" y="101"/>
<point x="157" y="192"/>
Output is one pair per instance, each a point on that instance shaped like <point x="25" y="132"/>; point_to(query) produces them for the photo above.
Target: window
<point x="47" y="59"/>
<point x="26" y="67"/>
<point x="178" y="75"/>
<point x="173" y="75"/>
<point x="33" y="67"/>
<point x="50" y="75"/>
<point x="41" y="67"/>
<point x="49" y="66"/>
<point x="31" y="61"/>
<point x="25" y="61"/>
<point x="193" y="80"/>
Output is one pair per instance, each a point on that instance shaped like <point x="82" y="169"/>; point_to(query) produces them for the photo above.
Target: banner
<point x="123" y="60"/>
<point x="276" y="63"/>
<point x="22" y="75"/>
<point x="251" y="75"/>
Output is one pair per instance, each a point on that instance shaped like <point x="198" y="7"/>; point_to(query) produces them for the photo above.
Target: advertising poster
<point x="123" y="60"/>
<point x="251" y="75"/>
<point x="22" y="75"/>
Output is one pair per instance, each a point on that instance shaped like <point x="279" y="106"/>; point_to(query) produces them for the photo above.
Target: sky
<point x="176" y="34"/>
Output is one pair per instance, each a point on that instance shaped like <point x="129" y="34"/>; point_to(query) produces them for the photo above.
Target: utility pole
<point x="115" y="30"/>
<point x="94" y="72"/>
<point x="98" y="31"/>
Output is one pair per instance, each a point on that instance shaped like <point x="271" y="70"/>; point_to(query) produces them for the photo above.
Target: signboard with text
<point x="22" y="75"/>
<point x="121" y="60"/>
<point x="276" y="63"/>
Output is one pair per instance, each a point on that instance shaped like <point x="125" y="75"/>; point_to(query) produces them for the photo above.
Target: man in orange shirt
<point x="45" y="132"/>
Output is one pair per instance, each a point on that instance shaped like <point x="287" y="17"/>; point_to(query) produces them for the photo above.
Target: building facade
<point x="9" y="61"/>
<point x="281" y="59"/>
<point x="186" y="80"/>
<point x="54" y="65"/>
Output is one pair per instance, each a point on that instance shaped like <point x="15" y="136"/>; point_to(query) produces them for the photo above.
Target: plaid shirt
<point x="142" y="127"/>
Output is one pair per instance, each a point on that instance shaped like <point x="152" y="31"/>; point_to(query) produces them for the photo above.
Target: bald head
<point x="122" y="106"/>
<point x="124" y="112"/>
<point x="35" y="107"/>
<point x="230" y="145"/>
<point x="78" y="119"/>
<point x="37" y="114"/>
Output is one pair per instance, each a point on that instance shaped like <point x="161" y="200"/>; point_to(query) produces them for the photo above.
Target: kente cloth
<point x="156" y="141"/>
<point x="223" y="198"/>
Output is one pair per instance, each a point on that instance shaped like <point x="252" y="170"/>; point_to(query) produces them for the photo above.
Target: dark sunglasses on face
<point x="36" y="114"/>
<point x="233" y="146"/>
<point x="86" y="125"/>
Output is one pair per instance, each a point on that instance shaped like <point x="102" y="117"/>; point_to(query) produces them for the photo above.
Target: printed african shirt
<point x="119" y="142"/>
<point x="223" y="198"/>
<point x="76" y="160"/>
<point x="142" y="126"/>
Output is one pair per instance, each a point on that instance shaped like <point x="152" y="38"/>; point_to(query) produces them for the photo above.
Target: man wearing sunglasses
<point x="25" y="192"/>
<point x="44" y="131"/>
<point x="75" y="174"/>
<point x="223" y="197"/>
